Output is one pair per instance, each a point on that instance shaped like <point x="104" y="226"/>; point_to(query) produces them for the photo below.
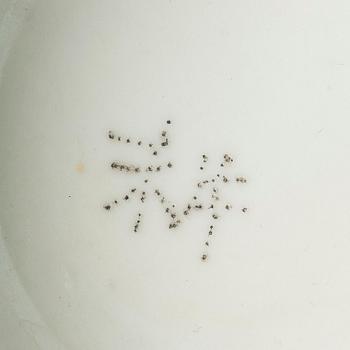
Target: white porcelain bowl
<point x="266" y="82"/>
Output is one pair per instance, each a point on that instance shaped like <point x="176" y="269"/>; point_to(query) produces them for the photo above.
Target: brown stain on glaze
<point x="80" y="168"/>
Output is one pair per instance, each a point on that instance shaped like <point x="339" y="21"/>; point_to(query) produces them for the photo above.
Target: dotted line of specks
<point x="151" y="146"/>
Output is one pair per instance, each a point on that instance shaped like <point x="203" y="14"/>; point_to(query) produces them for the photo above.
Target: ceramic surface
<point x="266" y="82"/>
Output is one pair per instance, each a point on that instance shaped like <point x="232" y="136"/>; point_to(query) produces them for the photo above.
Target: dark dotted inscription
<point x="196" y="204"/>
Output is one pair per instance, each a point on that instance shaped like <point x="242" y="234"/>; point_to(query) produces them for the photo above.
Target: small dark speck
<point x="201" y="168"/>
<point x="107" y="207"/>
<point x="204" y="257"/>
<point x="241" y="179"/>
<point x="127" y="140"/>
<point x="244" y="210"/>
<point x="155" y="153"/>
<point x="168" y="121"/>
<point x="126" y="197"/>
<point x="139" y="143"/>
<point x="169" y="165"/>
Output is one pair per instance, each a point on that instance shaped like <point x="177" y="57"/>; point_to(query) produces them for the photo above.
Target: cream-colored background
<point x="267" y="81"/>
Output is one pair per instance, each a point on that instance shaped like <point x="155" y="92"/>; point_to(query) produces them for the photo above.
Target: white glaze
<point x="267" y="82"/>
